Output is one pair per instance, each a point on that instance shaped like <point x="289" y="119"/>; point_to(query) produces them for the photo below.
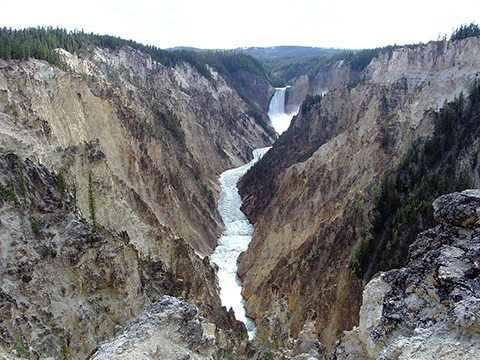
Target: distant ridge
<point x="274" y="51"/>
<point x="265" y="52"/>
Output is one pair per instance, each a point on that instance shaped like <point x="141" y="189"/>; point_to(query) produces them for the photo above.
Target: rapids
<point x="234" y="240"/>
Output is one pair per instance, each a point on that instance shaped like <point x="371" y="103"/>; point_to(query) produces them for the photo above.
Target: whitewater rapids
<point x="234" y="240"/>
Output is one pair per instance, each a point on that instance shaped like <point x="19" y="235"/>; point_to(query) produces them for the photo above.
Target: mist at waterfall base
<point x="276" y="111"/>
<point x="234" y="240"/>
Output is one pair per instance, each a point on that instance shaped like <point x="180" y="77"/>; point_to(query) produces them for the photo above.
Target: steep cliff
<point x="136" y="148"/>
<point x="67" y="285"/>
<point x="165" y="134"/>
<point x="386" y="65"/>
<point x="310" y="196"/>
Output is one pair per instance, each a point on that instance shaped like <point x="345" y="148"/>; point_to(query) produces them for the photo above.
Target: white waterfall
<point x="276" y="111"/>
<point x="234" y="240"/>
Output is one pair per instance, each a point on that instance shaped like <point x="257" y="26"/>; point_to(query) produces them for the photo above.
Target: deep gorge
<point x="110" y="168"/>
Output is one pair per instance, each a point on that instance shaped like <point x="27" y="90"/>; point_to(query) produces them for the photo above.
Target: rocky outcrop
<point x="312" y="193"/>
<point x="430" y="308"/>
<point x="167" y="329"/>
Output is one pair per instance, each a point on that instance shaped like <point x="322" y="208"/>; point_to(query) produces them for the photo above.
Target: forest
<point x="41" y="43"/>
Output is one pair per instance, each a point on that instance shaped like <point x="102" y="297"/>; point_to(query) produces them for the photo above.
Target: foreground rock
<point x="168" y="329"/>
<point x="429" y="309"/>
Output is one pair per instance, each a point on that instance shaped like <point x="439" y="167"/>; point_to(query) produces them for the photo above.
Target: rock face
<point x="66" y="287"/>
<point x="135" y="147"/>
<point x="167" y="329"/>
<point x="430" y="308"/>
<point x="419" y="63"/>
<point x="62" y="283"/>
<point x="310" y="196"/>
<point x="328" y="78"/>
<point x="157" y="137"/>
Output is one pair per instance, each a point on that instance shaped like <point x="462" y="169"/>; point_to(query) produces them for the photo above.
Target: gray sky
<point x="225" y="24"/>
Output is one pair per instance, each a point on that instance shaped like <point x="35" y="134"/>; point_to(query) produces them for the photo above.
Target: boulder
<point x="458" y="209"/>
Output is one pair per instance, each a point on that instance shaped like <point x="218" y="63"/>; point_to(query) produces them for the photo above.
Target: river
<point x="234" y="240"/>
<point x="238" y="230"/>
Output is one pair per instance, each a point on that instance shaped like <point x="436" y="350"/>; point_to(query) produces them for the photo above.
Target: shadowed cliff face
<point x="310" y="196"/>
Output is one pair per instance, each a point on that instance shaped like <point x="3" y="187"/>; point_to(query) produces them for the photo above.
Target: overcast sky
<point x="223" y="24"/>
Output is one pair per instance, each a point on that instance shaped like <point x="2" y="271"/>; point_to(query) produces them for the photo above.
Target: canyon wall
<point x="327" y="78"/>
<point x="311" y="195"/>
<point x="130" y="150"/>
<point x="162" y="135"/>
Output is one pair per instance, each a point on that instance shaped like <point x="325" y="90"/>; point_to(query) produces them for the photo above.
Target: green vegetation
<point x="41" y="42"/>
<point x="287" y="62"/>
<point x="229" y="63"/>
<point x="465" y="31"/>
<point x="91" y="204"/>
<point x="7" y="193"/>
<point x="429" y="169"/>
<point x="170" y="121"/>
<point x="65" y="352"/>
<point x="286" y="51"/>
<point x="20" y="346"/>
<point x="287" y="68"/>
<point x="290" y="67"/>
<point x="35" y="227"/>
<point x="259" y="117"/>
<point x="309" y="102"/>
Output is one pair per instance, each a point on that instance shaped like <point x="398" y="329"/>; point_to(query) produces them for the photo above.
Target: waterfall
<point x="276" y="111"/>
<point x="234" y="240"/>
<point x="277" y="104"/>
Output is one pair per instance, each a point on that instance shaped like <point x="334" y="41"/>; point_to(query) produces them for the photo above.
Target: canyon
<point x="109" y="191"/>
